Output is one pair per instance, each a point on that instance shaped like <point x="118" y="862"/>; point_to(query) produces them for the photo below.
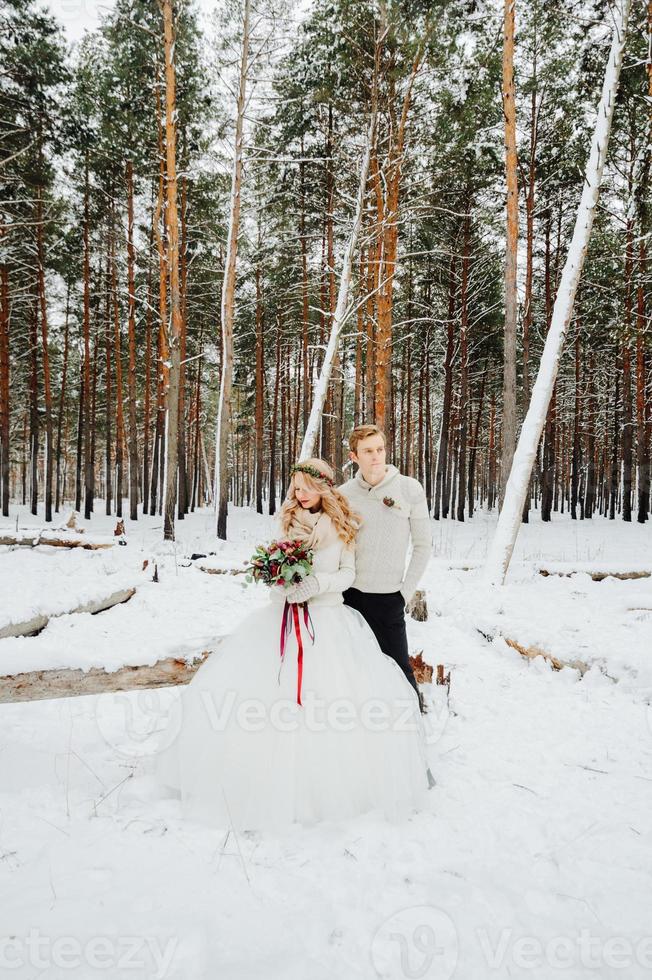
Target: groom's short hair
<point x="363" y="432"/>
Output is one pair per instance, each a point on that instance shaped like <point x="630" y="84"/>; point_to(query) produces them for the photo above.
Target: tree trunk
<point x="119" y="402"/>
<point x="131" y="319"/>
<point x="643" y="420"/>
<point x="387" y="198"/>
<point x="47" y="386"/>
<point x="310" y="436"/>
<point x="358" y="384"/>
<point x="172" y="224"/>
<point x="464" y="371"/>
<point x="272" y="433"/>
<point x="474" y="443"/>
<point x="182" y="507"/>
<point x="4" y="381"/>
<point x="627" y="434"/>
<point x="162" y="357"/>
<point x="613" y="479"/>
<point x="373" y="266"/>
<point x="529" y="256"/>
<point x="228" y="298"/>
<point x="88" y="459"/>
<point x="305" y="312"/>
<point x="62" y="400"/>
<point x="428" y="449"/>
<point x="80" y="438"/>
<point x="590" y="502"/>
<point x="442" y="455"/>
<point x="491" y="476"/>
<point x="108" y="405"/>
<point x="628" y="416"/>
<point x="511" y="296"/>
<point x="329" y="440"/>
<point x="260" y="368"/>
<point x="96" y="346"/>
<point x="577" y="451"/>
<point x="148" y="380"/>
<point x="642" y="426"/>
<point x="33" y="410"/>
<point x="509" y="521"/>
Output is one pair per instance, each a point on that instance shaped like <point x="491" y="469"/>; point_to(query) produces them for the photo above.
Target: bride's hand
<point x="304" y="590"/>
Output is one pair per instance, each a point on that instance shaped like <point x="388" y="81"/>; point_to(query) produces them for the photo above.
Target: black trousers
<point x="385" y="614"/>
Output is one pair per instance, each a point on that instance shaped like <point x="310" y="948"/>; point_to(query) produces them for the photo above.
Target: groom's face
<point x="370" y="457"/>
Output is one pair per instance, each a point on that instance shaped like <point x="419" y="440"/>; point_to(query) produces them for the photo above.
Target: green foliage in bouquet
<point x="280" y="563"/>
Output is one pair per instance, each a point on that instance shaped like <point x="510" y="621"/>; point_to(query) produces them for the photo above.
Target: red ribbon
<point x="286" y="629"/>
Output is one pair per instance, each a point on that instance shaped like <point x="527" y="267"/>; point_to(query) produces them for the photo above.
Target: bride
<point x="329" y="730"/>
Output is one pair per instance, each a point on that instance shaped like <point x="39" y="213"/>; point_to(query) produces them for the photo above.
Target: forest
<point x="394" y="728"/>
<point x="226" y="237"/>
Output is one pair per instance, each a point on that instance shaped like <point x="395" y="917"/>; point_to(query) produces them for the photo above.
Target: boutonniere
<point x="390" y="502"/>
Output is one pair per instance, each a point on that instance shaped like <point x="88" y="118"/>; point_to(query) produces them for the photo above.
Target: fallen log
<point x="31" y="538"/>
<point x="597" y="576"/>
<point x="555" y="662"/>
<point x="221" y="571"/>
<point x="33" y="626"/>
<point x="39" y="685"/>
<point x="535" y="651"/>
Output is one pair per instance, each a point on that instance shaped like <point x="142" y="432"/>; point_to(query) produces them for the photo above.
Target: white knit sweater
<point x="382" y="541"/>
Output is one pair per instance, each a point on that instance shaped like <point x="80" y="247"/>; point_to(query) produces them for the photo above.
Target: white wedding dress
<point x="248" y="756"/>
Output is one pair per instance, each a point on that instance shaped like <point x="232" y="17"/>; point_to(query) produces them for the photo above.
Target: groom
<point x="395" y="511"/>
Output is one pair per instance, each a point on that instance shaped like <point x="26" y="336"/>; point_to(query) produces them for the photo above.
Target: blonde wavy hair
<point x="345" y="520"/>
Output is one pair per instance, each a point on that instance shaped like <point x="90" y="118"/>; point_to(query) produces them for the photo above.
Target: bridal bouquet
<point x="283" y="563"/>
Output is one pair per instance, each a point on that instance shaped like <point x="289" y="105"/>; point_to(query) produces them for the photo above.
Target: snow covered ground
<point x="606" y="624"/>
<point x="533" y="857"/>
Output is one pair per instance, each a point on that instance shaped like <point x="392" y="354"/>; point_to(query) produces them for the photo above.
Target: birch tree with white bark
<point x="341" y="310"/>
<point x="502" y="545"/>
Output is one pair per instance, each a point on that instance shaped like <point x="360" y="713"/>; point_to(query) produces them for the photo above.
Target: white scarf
<point x="315" y="529"/>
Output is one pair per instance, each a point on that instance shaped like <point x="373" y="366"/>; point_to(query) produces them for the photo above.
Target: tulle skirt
<point x="246" y="755"/>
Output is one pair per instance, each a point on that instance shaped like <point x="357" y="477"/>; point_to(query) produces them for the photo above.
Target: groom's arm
<point x="343" y="578"/>
<point x="421" y="534"/>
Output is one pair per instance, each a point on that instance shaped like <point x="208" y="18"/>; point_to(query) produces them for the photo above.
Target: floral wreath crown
<point x="311" y="471"/>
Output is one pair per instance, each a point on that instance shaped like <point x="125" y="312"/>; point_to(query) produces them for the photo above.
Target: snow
<point x="532" y="858"/>
<point x="69" y="584"/>
<point x="605" y="624"/>
<point x="182" y="614"/>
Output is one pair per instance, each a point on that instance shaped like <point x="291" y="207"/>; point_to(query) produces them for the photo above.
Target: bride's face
<point x="306" y="497"/>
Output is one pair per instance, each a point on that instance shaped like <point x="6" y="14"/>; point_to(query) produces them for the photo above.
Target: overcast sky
<point x="80" y="15"/>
